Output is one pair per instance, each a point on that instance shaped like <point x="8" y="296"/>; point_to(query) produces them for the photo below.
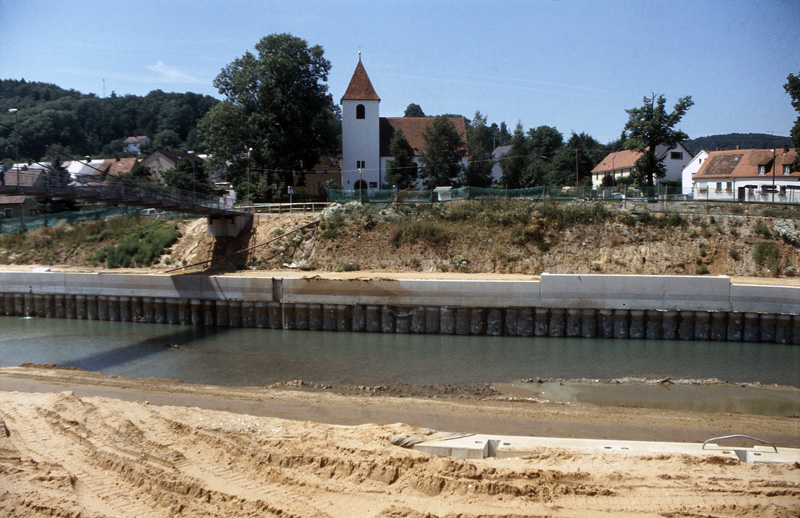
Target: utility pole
<point x="16" y="135"/>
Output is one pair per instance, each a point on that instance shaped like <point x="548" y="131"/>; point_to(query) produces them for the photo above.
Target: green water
<point x="239" y="357"/>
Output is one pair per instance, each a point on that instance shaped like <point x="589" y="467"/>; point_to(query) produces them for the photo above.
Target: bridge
<point x="223" y="220"/>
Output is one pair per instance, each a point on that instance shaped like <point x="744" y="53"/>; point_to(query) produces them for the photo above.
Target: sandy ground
<point x="74" y="443"/>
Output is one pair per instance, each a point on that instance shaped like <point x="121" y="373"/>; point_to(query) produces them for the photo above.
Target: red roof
<point x="624" y="159"/>
<point x="414" y="131"/>
<point x="360" y="87"/>
<point x="745" y="163"/>
<point x="118" y="166"/>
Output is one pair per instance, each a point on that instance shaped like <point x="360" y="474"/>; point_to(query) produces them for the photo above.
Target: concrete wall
<point x="629" y="292"/>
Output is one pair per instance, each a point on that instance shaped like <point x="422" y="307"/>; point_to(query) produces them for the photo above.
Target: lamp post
<point x="360" y="186"/>
<point x="16" y="136"/>
<point x="194" y="177"/>
<point x="249" y="150"/>
<point x="773" y="175"/>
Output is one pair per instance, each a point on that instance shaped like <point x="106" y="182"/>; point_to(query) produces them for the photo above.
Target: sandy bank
<point x="79" y="442"/>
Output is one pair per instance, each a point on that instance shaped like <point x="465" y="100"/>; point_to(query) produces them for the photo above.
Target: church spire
<point x="360" y="87"/>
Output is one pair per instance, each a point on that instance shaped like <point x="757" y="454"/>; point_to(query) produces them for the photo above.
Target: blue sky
<point x="576" y="65"/>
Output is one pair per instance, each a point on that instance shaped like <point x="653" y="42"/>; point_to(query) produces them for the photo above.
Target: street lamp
<point x="16" y="136"/>
<point x="194" y="176"/>
<point x="360" y="186"/>
<point x="249" y="150"/>
<point x="773" y="175"/>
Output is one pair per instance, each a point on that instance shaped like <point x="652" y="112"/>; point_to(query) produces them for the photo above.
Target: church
<point x="366" y="135"/>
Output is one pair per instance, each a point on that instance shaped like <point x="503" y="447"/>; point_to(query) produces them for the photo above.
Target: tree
<point x="792" y="88"/>
<point x="515" y="160"/>
<point x="277" y="103"/>
<point x="479" y="152"/>
<point x="441" y="158"/>
<point x="189" y="174"/>
<point x="401" y="169"/>
<point x="413" y="110"/>
<point x="651" y="125"/>
<point x="57" y="177"/>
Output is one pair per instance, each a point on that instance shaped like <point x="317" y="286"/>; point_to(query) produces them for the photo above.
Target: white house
<point x="366" y="135"/>
<point x="690" y="170"/>
<point x="134" y="144"/>
<point x="749" y="175"/>
<point x="620" y="164"/>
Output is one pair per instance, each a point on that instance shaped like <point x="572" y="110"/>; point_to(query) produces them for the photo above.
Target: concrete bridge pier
<point x="227" y="226"/>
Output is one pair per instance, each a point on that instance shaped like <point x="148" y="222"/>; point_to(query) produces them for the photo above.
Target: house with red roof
<point x="366" y="135"/>
<point x="749" y="175"/>
<point x="621" y="164"/>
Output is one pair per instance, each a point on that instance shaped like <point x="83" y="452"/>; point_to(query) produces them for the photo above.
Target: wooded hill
<point x="743" y="140"/>
<point x="84" y="124"/>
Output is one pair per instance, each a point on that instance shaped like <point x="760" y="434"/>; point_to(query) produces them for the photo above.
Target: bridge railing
<point x="112" y="189"/>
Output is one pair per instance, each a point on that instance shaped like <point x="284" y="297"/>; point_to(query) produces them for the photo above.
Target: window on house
<point x="728" y="186"/>
<point x="373" y="185"/>
<point x="762" y="169"/>
<point x="8" y="212"/>
<point x="361" y="112"/>
<point x="719" y="186"/>
<point x="324" y="171"/>
<point x="676" y="155"/>
<point x="361" y="164"/>
<point x="787" y="170"/>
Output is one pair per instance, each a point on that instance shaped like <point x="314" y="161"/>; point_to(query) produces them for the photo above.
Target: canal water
<point x="241" y="357"/>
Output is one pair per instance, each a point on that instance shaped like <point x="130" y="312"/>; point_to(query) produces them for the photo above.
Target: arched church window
<point x="361" y="112"/>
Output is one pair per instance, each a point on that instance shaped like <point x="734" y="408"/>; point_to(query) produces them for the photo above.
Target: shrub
<point x="734" y="253"/>
<point x="765" y="253"/>
<point x="762" y="229"/>
<point x="348" y="266"/>
<point x="701" y="270"/>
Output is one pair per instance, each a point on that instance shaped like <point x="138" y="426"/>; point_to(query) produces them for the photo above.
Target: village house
<point x="366" y="135"/>
<point x="621" y="164"/>
<point x="135" y="144"/>
<point x="687" y="176"/>
<point x="749" y="175"/>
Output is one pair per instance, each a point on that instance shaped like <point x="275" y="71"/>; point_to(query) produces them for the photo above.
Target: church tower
<point x="360" y="132"/>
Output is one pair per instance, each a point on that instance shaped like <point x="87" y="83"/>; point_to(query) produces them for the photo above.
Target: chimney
<point x="785" y="149"/>
<point x="738" y="147"/>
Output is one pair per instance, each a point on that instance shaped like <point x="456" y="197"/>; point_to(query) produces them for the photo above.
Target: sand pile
<point x="61" y="455"/>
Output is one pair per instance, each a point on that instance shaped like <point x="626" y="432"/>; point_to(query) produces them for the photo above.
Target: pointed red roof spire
<point x="360" y="88"/>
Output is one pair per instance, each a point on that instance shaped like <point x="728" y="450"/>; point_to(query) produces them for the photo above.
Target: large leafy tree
<point x="441" y="158"/>
<point x="401" y="170"/>
<point x="278" y="105"/>
<point x="479" y="152"/>
<point x="792" y="87"/>
<point x="651" y="125"/>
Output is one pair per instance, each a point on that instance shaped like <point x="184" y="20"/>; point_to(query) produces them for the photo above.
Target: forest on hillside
<point x="743" y="140"/>
<point x="84" y="124"/>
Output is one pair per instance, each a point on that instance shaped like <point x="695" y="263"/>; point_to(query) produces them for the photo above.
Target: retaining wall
<point x="609" y="306"/>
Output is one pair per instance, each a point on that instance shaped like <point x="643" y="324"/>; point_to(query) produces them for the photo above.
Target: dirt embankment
<point x="91" y="456"/>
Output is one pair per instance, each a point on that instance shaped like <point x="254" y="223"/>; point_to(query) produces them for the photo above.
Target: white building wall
<point x="727" y="189"/>
<point x="674" y="166"/>
<point x="361" y="142"/>
<point x="689" y="171"/>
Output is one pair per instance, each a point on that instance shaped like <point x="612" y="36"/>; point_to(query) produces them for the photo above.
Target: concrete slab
<point x="765" y="299"/>
<point x="640" y="292"/>
<point x="483" y="446"/>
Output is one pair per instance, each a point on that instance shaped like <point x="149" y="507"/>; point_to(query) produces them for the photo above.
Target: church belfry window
<point x="361" y="112"/>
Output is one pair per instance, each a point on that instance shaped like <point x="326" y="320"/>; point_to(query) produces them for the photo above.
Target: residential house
<point x="134" y="144"/>
<point x="327" y="168"/>
<point x="690" y="170"/>
<point x="621" y="164"/>
<point x="749" y="175"/>
<point x="366" y="135"/>
<point x="159" y="161"/>
<point x="15" y="206"/>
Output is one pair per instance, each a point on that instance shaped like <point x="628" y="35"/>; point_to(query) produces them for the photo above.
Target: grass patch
<point x="767" y="253"/>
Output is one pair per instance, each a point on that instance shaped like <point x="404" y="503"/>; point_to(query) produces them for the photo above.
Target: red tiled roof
<point x="624" y="159"/>
<point x="414" y="131"/>
<point x="360" y="87"/>
<point x="744" y="163"/>
<point x="25" y="178"/>
<point x="118" y="166"/>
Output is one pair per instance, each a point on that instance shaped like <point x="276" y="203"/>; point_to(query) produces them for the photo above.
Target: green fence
<point x="8" y="225"/>
<point x="548" y="192"/>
